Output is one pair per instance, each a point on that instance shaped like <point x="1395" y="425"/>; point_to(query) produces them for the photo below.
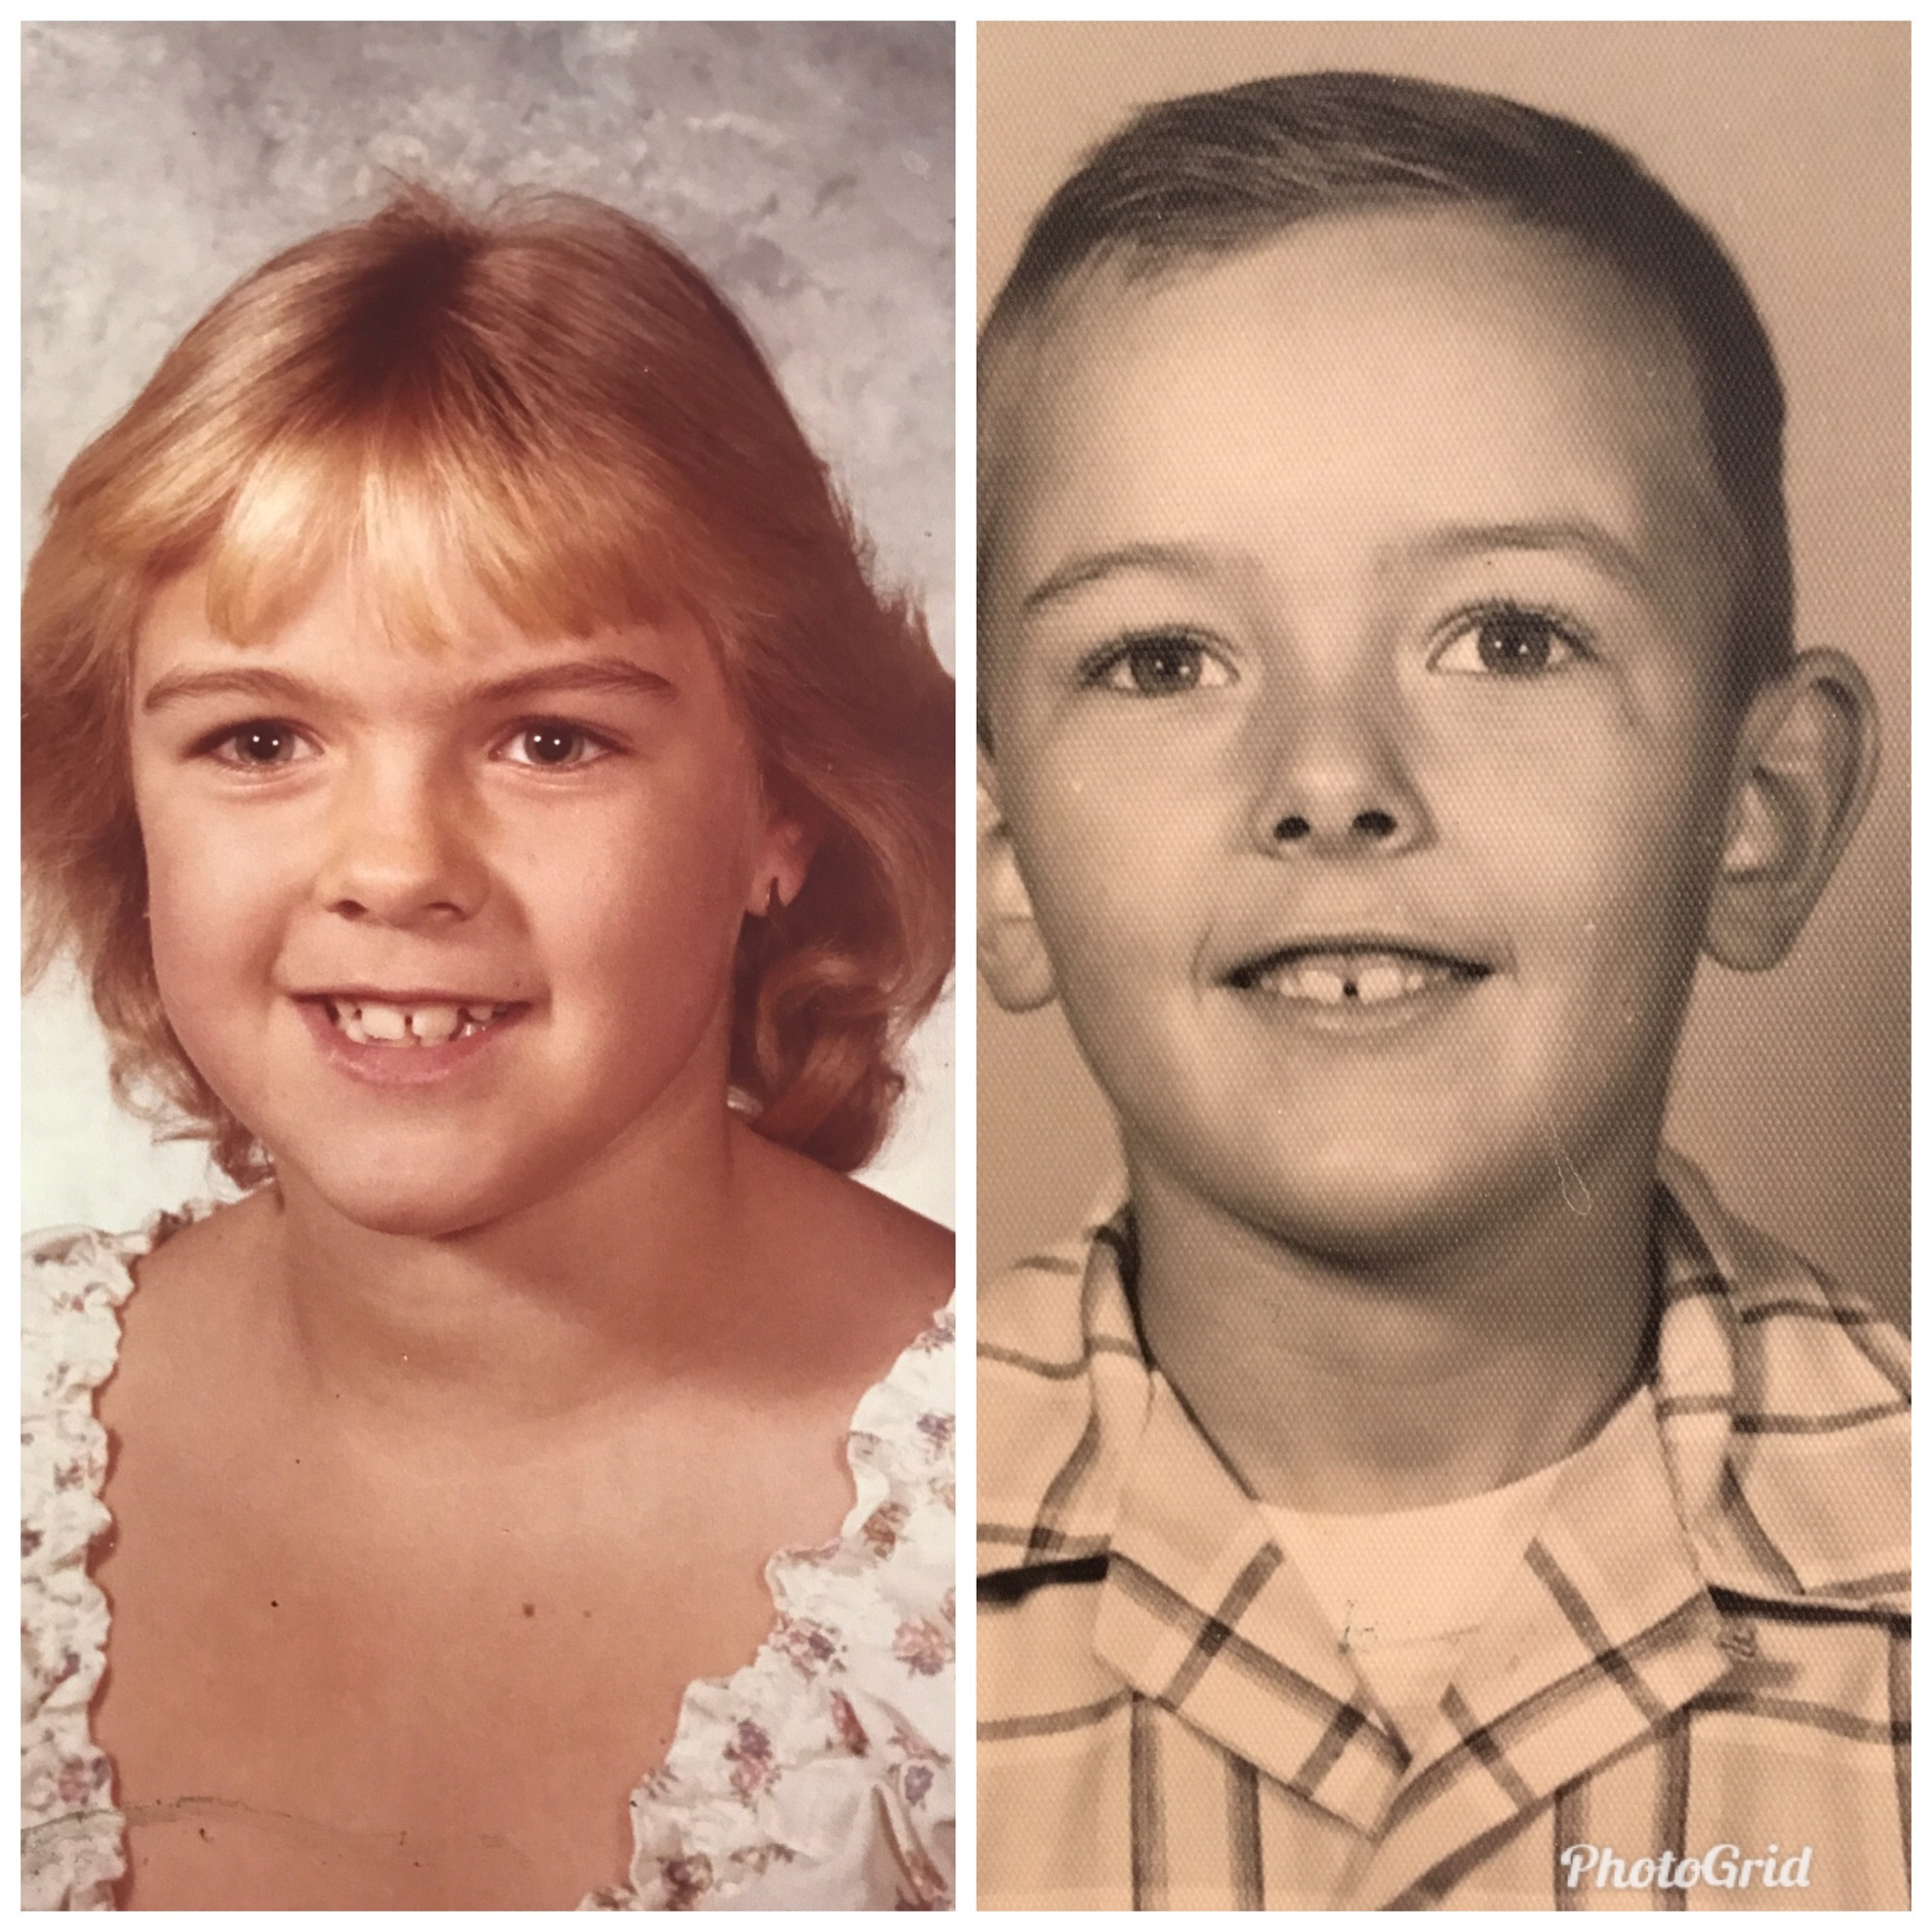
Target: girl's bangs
<point x="558" y="550"/>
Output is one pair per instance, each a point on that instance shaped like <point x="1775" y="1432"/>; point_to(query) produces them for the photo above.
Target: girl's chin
<point x="417" y="1206"/>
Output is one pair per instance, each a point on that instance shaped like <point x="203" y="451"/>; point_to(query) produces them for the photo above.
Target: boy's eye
<point x="1160" y="666"/>
<point x="258" y="745"/>
<point x="1507" y="641"/>
<point x="552" y="745"/>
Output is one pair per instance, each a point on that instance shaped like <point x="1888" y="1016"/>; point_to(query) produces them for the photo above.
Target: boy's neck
<point x="1344" y="1388"/>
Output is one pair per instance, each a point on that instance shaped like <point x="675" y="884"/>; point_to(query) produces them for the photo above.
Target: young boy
<point x="1416" y="1491"/>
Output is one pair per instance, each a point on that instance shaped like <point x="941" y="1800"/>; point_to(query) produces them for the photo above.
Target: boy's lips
<point x="1349" y="973"/>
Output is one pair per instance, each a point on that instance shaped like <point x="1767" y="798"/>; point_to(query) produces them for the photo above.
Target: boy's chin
<point x="1378" y="1214"/>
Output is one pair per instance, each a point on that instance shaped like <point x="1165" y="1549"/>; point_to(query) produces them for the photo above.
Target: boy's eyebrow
<point x="1175" y="560"/>
<point x="1578" y="535"/>
<point x="266" y="685"/>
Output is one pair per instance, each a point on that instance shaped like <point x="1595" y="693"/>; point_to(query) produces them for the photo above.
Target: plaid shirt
<point x="1703" y="1651"/>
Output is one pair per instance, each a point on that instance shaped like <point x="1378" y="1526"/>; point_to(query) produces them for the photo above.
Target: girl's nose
<point x="1339" y="788"/>
<point x="403" y="852"/>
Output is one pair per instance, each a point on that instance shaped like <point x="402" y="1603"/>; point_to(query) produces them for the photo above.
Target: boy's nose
<point x="1373" y="827"/>
<point x="401" y="852"/>
<point x="1339" y="792"/>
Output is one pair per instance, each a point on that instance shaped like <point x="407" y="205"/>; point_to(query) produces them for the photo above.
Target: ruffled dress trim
<point x="70" y="1837"/>
<point x="819" y="1775"/>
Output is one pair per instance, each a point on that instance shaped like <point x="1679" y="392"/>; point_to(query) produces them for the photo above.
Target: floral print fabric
<point x="818" y="1775"/>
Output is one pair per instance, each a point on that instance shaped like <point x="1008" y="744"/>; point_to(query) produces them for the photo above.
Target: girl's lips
<point x="418" y="1063"/>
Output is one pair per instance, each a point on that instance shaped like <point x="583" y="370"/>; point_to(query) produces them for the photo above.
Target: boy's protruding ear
<point x="1807" y="754"/>
<point x="1012" y="954"/>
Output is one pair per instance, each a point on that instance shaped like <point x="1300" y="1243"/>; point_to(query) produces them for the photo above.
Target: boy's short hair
<point x="554" y="401"/>
<point x="1211" y="174"/>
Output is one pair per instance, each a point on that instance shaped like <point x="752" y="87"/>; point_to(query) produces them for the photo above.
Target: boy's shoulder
<point x="1770" y="1288"/>
<point x="1062" y="1387"/>
<point x="1779" y="1394"/>
<point x="1034" y="1306"/>
<point x="1785" y="1405"/>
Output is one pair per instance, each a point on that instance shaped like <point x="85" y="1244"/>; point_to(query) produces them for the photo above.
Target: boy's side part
<point x="1414" y="1489"/>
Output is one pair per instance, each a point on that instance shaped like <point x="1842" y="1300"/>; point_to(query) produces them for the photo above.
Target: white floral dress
<point x="820" y="1775"/>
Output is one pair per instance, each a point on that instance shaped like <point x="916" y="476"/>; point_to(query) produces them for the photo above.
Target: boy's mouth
<point x="1352" y="976"/>
<point x="421" y="1023"/>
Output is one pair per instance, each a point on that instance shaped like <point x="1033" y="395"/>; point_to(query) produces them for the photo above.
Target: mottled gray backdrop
<point x="806" y="168"/>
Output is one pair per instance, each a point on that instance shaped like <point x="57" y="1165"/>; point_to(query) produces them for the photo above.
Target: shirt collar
<point x="1732" y="1477"/>
<point x="1768" y="1379"/>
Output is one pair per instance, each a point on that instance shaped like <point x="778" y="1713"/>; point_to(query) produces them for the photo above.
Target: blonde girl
<point x="487" y="799"/>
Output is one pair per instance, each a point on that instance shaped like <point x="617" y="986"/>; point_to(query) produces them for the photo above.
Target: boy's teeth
<point x="1363" y="978"/>
<point x="1382" y="980"/>
<point x="1318" y="983"/>
<point x="368" y="1022"/>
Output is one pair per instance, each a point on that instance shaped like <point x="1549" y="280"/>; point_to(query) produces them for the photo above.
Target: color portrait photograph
<point x="489" y="853"/>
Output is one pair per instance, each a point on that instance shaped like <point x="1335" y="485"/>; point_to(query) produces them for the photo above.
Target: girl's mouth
<point x="406" y="1042"/>
<point x="429" y="1023"/>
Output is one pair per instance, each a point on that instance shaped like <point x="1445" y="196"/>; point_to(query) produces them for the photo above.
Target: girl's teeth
<point x="370" y="1024"/>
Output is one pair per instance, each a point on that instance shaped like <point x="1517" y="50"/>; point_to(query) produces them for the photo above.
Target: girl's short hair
<point x="554" y="400"/>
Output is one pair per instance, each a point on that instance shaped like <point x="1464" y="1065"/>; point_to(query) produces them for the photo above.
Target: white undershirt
<point x="1405" y="1590"/>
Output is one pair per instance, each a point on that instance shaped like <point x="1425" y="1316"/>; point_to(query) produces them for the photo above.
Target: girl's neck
<point x="630" y="1275"/>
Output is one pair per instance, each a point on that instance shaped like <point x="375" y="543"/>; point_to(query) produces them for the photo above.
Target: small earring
<point x="772" y="900"/>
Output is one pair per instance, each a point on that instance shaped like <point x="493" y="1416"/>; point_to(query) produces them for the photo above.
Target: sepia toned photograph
<point x="488" y="747"/>
<point x="1443" y="1203"/>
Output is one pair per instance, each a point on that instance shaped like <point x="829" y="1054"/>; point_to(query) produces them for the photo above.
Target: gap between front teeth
<point x="1336" y="980"/>
<point x="368" y="1023"/>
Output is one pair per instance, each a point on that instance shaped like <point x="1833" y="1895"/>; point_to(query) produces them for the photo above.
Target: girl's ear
<point x="1011" y="954"/>
<point x="1807" y="754"/>
<point x="783" y="860"/>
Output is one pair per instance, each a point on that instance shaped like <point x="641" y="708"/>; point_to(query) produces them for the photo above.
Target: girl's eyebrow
<point x="264" y="685"/>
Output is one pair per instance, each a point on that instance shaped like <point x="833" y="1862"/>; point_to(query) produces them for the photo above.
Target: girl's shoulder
<point x="73" y="1282"/>
<point x="822" y="1772"/>
<point x="841" y="1243"/>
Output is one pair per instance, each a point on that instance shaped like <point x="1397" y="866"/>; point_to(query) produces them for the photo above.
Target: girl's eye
<point x="1508" y="641"/>
<point x="1160" y="666"/>
<point x="552" y="746"/>
<point x="260" y="745"/>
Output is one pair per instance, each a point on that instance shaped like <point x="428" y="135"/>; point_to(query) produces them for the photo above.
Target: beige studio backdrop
<point x="1791" y="141"/>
